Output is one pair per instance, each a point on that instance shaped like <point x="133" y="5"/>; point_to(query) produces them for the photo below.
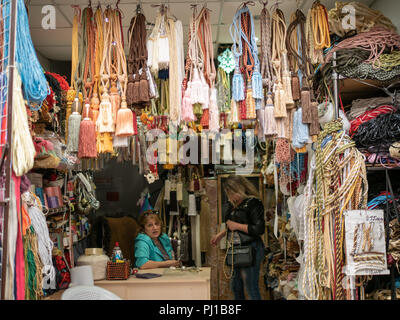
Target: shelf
<point x="53" y="211"/>
<point x="379" y="167"/>
<point x="352" y="89"/>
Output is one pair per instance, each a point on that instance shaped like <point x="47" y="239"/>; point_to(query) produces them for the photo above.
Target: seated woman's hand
<point x="173" y="263"/>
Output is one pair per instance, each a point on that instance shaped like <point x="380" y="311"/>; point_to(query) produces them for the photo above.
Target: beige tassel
<point x="250" y="105"/>
<point x="279" y="102"/>
<point x="124" y="127"/>
<point x="105" y="121"/>
<point x="115" y="100"/>
<point x="269" y="122"/>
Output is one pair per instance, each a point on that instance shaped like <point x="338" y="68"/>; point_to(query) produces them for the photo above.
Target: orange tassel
<point x="124" y="126"/>
<point x="250" y="105"/>
<point x="205" y="119"/>
<point x="94" y="107"/>
<point x="115" y="100"/>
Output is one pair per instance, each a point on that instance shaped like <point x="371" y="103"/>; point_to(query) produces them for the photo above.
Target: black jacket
<point x="250" y="212"/>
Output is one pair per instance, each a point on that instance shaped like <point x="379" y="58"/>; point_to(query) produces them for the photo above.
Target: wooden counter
<point x="172" y="285"/>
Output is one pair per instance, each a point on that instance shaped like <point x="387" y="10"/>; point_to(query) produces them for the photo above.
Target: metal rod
<point x="11" y="66"/>
<point x="335" y="78"/>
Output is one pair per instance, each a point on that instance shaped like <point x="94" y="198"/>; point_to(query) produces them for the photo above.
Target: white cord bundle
<point x="22" y="149"/>
<point x="45" y="244"/>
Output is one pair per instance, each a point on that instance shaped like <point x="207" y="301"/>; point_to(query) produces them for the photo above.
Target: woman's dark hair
<point x="145" y="216"/>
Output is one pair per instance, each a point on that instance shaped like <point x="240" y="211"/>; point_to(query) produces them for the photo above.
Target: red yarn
<point x="50" y="100"/>
<point x="369" y="115"/>
<point x="62" y="80"/>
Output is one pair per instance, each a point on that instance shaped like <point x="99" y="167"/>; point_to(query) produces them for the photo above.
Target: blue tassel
<point x="300" y="130"/>
<point x="256" y="85"/>
<point x="258" y="103"/>
<point x="238" y="87"/>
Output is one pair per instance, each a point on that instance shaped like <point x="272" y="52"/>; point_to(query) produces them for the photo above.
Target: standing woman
<point x="246" y="217"/>
<point x="153" y="248"/>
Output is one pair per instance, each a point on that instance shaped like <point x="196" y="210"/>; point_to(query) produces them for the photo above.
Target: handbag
<point x="238" y="255"/>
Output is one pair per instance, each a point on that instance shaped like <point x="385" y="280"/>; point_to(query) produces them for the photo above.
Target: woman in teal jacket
<point x="153" y="248"/>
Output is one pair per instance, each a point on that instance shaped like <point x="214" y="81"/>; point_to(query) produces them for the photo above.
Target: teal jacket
<point x="146" y="250"/>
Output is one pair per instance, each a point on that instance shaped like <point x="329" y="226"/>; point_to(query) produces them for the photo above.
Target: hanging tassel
<point x="187" y="107"/>
<point x="269" y="122"/>
<point x="71" y="94"/>
<point x="256" y="85"/>
<point x="120" y="142"/>
<point x="87" y="137"/>
<point x="314" y="126"/>
<point x="192" y="205"/>
<point x="153" y="92"/>
<point x="134" y="122"/>
<point x="250" y="105"/>
<point x="163" y="52"/>
<point x="206" y="92"/>
<point x="104" y="121"/>
<point x="261" y="124"/>
<point x="295" y="87"/>
<point x="238" y="87"/>
<point x="130" y="90"/>
<point x="279" y="102"/>
<point x="205" y="119"/>
<point x="124" y="127"/>
<point x="306" y="104"/>
<point x="115" y="100"/>
<point x="234" y="113"/>
<point x="94" y="107"/>
<point x="196" y="95"/>
<point x="135" y="90"/>
<point x="144" y="88"/>
<point x="300" y="130"/>
<point x="287" y="85"/>
<point x="214" y="111"/>
<point x="74" y="122"/>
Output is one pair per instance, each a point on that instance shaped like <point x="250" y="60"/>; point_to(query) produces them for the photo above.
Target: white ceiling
<point x="56" y="44"/>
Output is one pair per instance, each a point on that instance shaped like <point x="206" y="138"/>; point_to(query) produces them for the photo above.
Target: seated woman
<point x="153" y="249"/>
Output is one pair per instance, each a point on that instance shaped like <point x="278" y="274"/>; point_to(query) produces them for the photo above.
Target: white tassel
<point x="120" y="142"/>
<point x="214" y="112"/>
<point x="163" y="52"/>
<point x="192" y="205"/>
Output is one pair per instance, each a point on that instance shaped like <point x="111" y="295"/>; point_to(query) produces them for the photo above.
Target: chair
<point x="88" y="293"/>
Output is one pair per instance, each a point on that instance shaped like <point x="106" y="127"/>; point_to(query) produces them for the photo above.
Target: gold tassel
<point x="104" y="143"/>
<point x="71" y="94"/>
<point x="279" y="102"/>
<point x="250" y="105"/>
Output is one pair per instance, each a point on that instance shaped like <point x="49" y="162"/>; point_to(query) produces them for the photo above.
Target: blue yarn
<point x="300" y="130"/>
<point x="35" y="86"/>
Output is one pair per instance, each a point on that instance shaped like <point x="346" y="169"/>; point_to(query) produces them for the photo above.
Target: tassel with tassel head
<point x="314" y="125"/>
<point x="279" y="102"/>
<point x="124" y="126"/>
<point x="115" y="100"/>
<point x="87" y="136"/>
<point x="94" y="107"/>
<point x="295" y="87"/>
<point x="306" y="103"/>
<point x="238" y="87"/>
<point x="270" y="129"/>
<point x="257" y="85"/>
<point x="130" y="90"/>
<point x="144" y="88"/>
<point x="250" y="104"/>
<point x="105" y="121"/>
<point x="187" y="107"/>
<point x="197" y="91"/>
<point x="71" y="94"/>
<point x="74" y="122"/>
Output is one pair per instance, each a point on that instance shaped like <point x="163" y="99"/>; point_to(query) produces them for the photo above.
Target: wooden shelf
<point x="353" y="89"/>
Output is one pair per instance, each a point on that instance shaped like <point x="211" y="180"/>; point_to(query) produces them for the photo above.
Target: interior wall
<point x="390" y="9"/>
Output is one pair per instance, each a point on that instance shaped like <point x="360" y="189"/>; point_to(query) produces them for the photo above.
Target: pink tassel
<point x="196" y="95"/>
<point x="187" y="107"/>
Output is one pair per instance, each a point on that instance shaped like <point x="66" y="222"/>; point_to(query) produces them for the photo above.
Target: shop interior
<point x="321" y="129"/>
